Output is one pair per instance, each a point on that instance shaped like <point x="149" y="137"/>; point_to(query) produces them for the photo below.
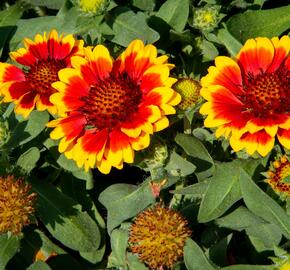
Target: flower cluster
<point x="106" y="108"/>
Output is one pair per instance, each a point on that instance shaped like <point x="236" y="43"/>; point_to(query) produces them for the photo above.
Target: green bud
<point x="206" y="18"/>
<point x="157" y="155"/>
<point x="4" y="132"/>
<point x="92" y="7"/>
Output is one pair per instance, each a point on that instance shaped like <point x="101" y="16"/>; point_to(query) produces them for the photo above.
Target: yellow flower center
<point x="267" y="93"/>
<point x="41" y="75"/>
<point x="111" y="102"/>
<point x="189" y="90"/>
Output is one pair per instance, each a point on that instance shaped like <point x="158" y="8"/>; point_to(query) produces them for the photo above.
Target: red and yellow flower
<point x="109" y="108"/>
<point x="248" y="98"/>
<point x="42" y="59"/>
<point x="278" y="176"/>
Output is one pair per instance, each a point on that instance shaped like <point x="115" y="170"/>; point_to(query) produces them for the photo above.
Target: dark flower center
<point x="267" y="93"/>
<point x="111" y="101"/>
<point x="41" y="75"/>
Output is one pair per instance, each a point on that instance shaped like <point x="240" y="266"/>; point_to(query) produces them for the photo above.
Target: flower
<point x="248" y="98"/>
<point x="42" y="59"/>
<point x="93" y="7"/>
<point x="277" y="174"/>
<point x="109" y="108"/>
<point x="189" y="90"/>
<point x="16" y="204"/>
<point x="158" y="236"/>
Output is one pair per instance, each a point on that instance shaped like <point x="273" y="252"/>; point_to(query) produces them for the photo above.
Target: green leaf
<point x="134" y="263"/>
<point x="27" y="161"/>
<point x="265" y="236"/>
<point x="53" y="4"/>
<point x="222" y="193"/>
<point x="197" y="190"/>
<point x="194" y="257"/>
<point x="218" y="253"/>
<point x="27" y="130"/>
<point x="11" y="15"/>
<point x="128" y="26"/>
<point x="175" y="13"/>
<point x="202" y="159"/>
<point x="260" y="23"/>
<point x="179" y="165"/>
<point x="249" y="267"/>
<point x="119" y="242"/>
<point x="262" y="205"/>
<point x="64" y="219"/>
<point x="146" y="5"/>
<point x="9" y="246"/>
<point x="209" y="51"/>
<point x="124" y="201"/>
<point x="233" y="46"/>
<point x="39" y="265"/>
<point x="240" y="219"/>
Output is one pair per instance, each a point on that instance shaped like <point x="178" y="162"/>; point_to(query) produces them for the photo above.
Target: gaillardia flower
<point x="16" y="204"/>
<point x="189" y="90"/>
<point x="278" y="176"/>
<point x="248" y="98"/>
<point x="42" y="59"/>
<point x="158" y="236"/>
<point x="109" y="108"/>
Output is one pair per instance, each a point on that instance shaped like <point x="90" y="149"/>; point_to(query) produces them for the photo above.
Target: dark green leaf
<point x="128" y="26"/>
<point x="39" y="265"/>
<point x="240" y="219"/>
<point x="194" y="257"/>
<point x="233" y="46"/>
<point x="249" y="267"/>
<point x="27" y="161"/>
<point x="197" y="190"/>
<point x="124" y="201"/>
<point x="202" y="159"/>
<point x="53" y="4"/>
<point x="175" y="13"/>
<point x="9" y="246"/>
<point x="262" y="205"/>
<point x="222" y="193"/>
<point x="260" y="23"/>
<point x="64" y="219"/>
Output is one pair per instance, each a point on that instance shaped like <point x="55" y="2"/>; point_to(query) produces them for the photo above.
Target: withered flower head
<point x="16" y="204"/>
<point x="278" y="176"/>
<point x="158" y="236"/>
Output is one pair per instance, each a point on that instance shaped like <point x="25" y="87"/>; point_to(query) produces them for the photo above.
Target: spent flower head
<point x="16" y="204"/>
<point x="158" y="236"/>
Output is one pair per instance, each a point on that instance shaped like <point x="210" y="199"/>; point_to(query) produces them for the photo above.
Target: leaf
<point x="11" y="15"/>
<point x="147" y="5"/>
<point x="119" y="242"/>
<point x="128" y="26"/>
<point x="240" y="219"/>
<point x="64" y="219"/>
<point x="53" y="4"/>
<point x="27" y="161"/>
<point x="249" y="267"/>
<point x="134" y="263"/>
<point x="260" y="23"/>
<point x="27" y="130"/>
<point x="124" y="201"/>
<point x="9" y="246"/>
<point x="209" y="51"/>
<point x="202" y="159"/>
<point x="39" y="265"/>
<point x="175" y="13"/>
<point x="218" y="253"/>
<point x="233" y="46"/>
<point x="265" y="236"/>
<point x="197" y="190"/>
<point x="179" y="165"/>
<point x="262" y="205"/>
<point x="222" y="193"/>
<point x="194" y="257"/>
